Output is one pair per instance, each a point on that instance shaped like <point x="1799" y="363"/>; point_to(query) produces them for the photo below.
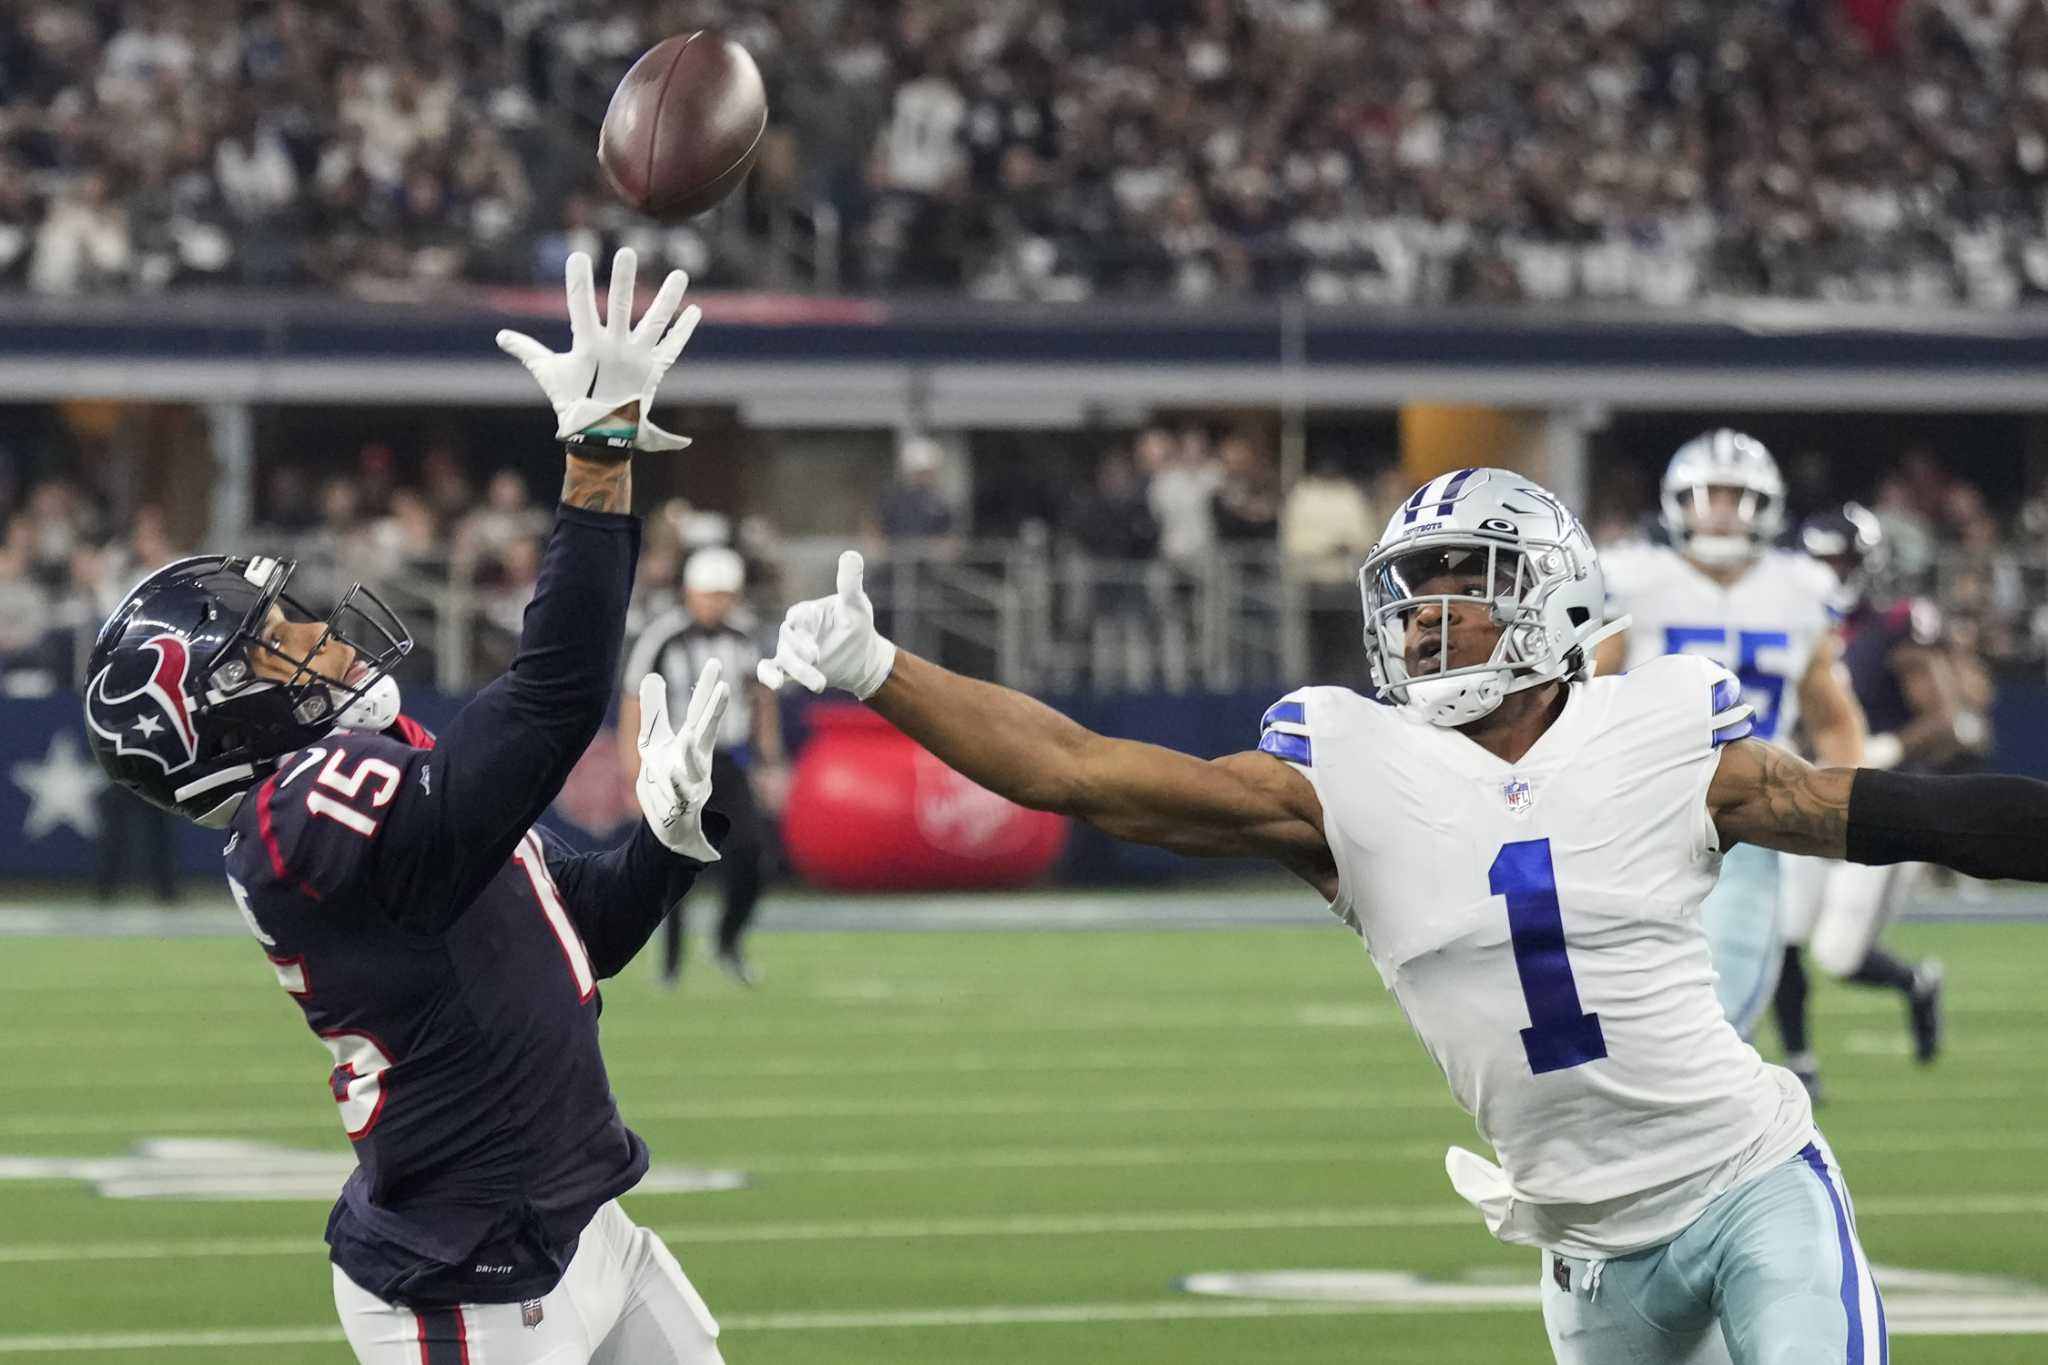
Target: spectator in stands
<point x="1246" y="508"/>
<point x="911" y="507"/>
<point x="507" y="515"/>
<point x="1521" y="149"/>
<point x="1112" y="526"/>
<point x="406" y="539"/>
<point x="1181" y="479"/>
<point x="24" y="619"/>
<point x="83" y="241"/>
<point x="1327" y="525"/>
<point x="258" y="181"/>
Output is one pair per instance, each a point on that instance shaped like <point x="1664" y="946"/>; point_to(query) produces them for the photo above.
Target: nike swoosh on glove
<point x="609" y="365"/>
<point x="832" y="641"/>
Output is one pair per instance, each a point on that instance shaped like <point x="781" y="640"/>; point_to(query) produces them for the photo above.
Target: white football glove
<point x="832" y="641"/>
<point x="609" y="365"/>
<point x="675" y="769"/>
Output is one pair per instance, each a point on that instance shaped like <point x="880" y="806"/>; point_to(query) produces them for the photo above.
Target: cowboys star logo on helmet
<point x="154" y="718"/>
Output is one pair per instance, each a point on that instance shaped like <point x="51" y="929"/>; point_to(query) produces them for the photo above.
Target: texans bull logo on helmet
<point x="154" y="718"/>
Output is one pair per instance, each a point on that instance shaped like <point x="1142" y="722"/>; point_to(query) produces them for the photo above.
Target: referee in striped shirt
<point x="711" y="624"/>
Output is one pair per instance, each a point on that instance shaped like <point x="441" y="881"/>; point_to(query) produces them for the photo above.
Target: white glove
<point x="675" y="769"/>
<point x="608" y="365"/>
<point x="832" y="641"/>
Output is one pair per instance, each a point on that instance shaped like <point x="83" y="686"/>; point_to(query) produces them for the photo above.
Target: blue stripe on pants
<point x="1852" y="1294"/>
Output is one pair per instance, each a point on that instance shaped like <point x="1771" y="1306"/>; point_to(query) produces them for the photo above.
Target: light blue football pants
<point x="1770" y="1274"/>
<point x="1740" y="917"/>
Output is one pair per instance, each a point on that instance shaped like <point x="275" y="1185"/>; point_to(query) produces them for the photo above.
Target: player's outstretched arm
<point x="1989" y="825"/>
<point x="505" y="756"/>
<point x="1244" y="805"/>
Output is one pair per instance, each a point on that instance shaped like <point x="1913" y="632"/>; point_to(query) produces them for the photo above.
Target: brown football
<point x="684" y="125"/>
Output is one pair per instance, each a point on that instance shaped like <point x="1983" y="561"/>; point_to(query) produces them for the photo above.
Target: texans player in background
<point x="1919" y="721"/>
<point x="445" y="948"/>
<point x="1721" y="590"/>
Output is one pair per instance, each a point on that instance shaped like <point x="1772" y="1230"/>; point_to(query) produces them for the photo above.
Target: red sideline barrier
<point x="870" y="810"/>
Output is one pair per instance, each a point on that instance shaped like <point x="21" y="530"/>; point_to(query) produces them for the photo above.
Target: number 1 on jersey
<point x="1560" y="1034"/>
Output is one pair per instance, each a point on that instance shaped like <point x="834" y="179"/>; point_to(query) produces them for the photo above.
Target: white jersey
<point x="1538" y="923"/>
<point x="1765" y="626"/>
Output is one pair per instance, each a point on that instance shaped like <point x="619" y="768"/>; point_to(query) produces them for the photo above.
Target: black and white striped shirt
<point x="677" y="646"/>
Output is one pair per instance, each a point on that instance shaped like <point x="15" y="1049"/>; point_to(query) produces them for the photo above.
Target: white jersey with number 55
<point x="1538" y="924"/>
<point x="1765" y="626"/>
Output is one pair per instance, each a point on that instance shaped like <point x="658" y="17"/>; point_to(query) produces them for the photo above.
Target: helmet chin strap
<point x="374" y="710"/>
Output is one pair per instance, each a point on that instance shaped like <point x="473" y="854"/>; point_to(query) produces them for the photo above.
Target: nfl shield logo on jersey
<point x="1518" y="796"/>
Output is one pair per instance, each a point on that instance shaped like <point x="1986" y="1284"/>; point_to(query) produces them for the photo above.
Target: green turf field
<point x="977" y="1147"/>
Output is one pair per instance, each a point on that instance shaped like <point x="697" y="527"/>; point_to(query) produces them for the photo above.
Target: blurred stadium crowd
<point x="1375" y="151"/>
<point x="1135" y="526"/>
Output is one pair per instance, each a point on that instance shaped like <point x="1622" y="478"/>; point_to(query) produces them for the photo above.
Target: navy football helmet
<point x="174" y="709"/>
<point x="1850" y="540"/>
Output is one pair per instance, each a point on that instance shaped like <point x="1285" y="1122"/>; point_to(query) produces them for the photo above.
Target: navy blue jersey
<point x="447" y="951"/>
<point x="1871" y="638"/>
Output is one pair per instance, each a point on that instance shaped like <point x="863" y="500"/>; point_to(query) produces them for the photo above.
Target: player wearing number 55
<point x="445" y="947"/>
<point x="1524" y="850"/>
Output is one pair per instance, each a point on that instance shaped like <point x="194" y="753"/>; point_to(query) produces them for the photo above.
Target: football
<point x="684" y="126"/>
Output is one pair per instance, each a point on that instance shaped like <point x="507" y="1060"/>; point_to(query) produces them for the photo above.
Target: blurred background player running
<point x="1919" y="721"/>
<point x="1720" y="588"/>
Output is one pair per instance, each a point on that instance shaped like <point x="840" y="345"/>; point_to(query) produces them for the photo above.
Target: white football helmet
<point x="1723" y="459"/>
<point x="1524" y="552"/>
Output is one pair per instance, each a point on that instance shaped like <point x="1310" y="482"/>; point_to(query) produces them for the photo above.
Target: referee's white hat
<point x="714" y="569"/>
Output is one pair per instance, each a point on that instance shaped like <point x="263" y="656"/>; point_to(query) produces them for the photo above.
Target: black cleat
<point x="1924" y="1006"/>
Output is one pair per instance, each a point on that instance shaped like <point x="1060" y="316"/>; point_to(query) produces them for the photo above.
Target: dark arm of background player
<point x="618" y="897"/>
<point x="1929" y="683"/>
<point x="503" y="759"/>
<point x="1989" y="825"/>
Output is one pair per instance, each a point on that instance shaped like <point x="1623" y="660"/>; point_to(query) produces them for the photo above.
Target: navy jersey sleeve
<point x="617" y="898"/>
<point x="504" y="757"/>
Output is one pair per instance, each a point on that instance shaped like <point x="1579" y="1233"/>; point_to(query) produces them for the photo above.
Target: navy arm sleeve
<point x="617" y="898"/>
<point x="504" y="757"/>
